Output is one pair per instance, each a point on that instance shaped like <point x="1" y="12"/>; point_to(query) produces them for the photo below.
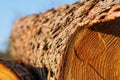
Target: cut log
<point x="14" y="71"/>
<point x="72" y="42"/>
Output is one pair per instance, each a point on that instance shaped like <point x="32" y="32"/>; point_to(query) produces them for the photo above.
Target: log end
<point x="10" y="70"/>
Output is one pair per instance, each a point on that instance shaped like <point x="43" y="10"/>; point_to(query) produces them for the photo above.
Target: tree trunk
<point x="80" y="41"/>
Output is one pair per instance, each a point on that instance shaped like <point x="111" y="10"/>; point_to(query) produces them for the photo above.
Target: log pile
<point x="80" y="41"/>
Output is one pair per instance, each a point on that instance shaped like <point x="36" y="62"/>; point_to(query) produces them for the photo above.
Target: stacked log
<point x="80" y="41"/>
<point x="14" y="71"/>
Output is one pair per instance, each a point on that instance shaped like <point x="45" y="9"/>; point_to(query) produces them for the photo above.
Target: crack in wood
<point x="96" y="72"/>
<point x="75" y="52"/>
<point x="89" y="65"/>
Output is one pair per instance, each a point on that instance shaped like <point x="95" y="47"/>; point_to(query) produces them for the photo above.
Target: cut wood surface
<point x="14" y="71"/>
<point x="80" y="41"/>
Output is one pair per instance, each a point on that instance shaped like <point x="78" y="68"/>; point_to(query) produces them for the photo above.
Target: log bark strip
<point x="80" y="41"/>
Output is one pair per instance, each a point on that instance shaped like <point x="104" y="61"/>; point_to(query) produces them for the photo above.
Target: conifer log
<point x="80" y="41"/>
<point x="10" y="70"/>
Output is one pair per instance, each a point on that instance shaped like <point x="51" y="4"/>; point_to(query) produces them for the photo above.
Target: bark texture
<point x="80" y="41"/>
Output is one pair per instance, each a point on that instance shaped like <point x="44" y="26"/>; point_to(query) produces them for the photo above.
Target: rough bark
<point x="80" y="41"/>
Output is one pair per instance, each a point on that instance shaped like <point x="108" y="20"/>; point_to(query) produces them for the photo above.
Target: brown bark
<point x="14" y="71"/>
<point x="72" y="42"/>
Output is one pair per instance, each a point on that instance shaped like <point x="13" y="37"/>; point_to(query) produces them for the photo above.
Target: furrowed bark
<point x="80" y="41"/>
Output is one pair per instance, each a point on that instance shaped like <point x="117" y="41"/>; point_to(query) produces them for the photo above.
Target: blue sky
<point x="11" y="10"/>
